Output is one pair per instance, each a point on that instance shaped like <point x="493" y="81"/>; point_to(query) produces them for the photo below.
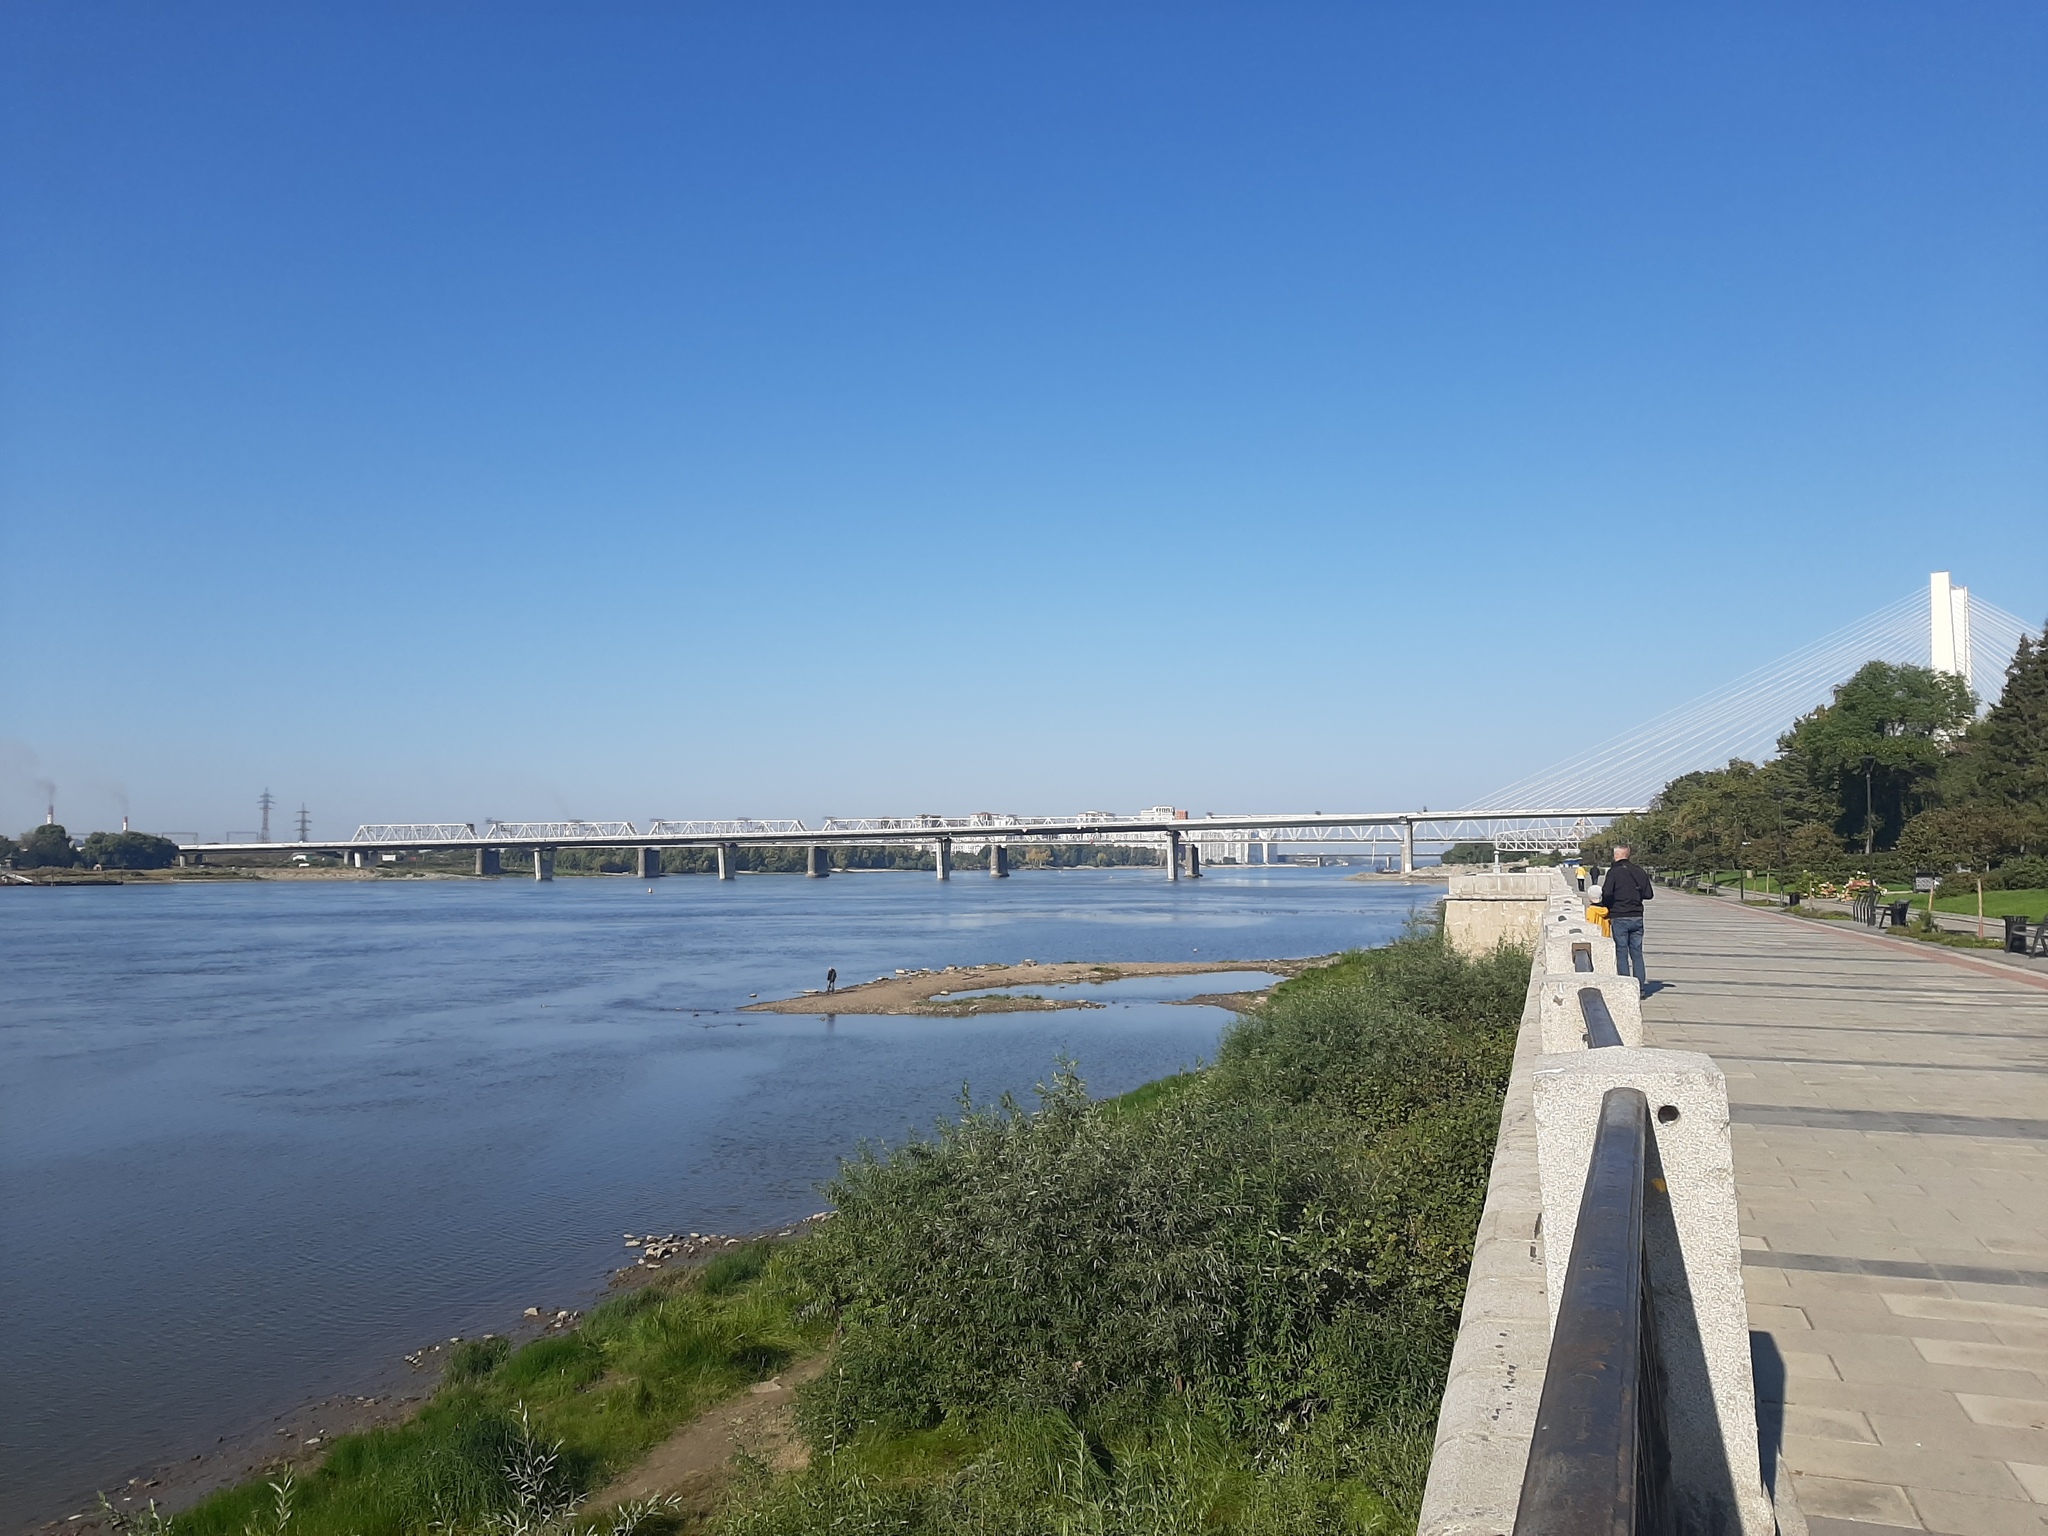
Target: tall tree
<point x="128" y="850"/>
<point x="1745" y="815"/>
<point x="1969" y="836"/>
<point x="1877" y="747"/>
<point x="2004" y="758"/>
<point x="45" y="847"/>
<point x="1731" y="817"/>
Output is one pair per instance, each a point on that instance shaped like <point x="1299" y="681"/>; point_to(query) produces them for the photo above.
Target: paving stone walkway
<point x="1890" y="1107"/>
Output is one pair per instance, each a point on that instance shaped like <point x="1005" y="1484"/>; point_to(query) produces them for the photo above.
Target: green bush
<point x="45" y="847"/>
<point x="1229" y="1306"/>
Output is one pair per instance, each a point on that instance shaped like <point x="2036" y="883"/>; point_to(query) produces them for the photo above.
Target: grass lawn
<point x="1764" y="883"/>
<point x="2030" y="904"/>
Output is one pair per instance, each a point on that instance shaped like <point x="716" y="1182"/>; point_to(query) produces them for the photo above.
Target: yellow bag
<point x="1599" y="915"/>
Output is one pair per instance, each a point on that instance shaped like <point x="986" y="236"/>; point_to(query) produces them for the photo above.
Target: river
<point x="259" y="1139"/>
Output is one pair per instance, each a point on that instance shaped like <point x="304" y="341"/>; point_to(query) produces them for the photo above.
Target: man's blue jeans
<point x="1628" y="947"/>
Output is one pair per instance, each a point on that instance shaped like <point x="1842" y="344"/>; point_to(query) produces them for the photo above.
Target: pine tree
<point x="2008" y="750"/>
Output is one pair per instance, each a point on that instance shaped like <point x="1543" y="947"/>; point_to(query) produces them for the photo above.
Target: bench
<point x="2017" y="941"/>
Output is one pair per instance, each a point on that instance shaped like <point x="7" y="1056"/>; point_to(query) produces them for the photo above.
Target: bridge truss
<point x="1218" y="836"/>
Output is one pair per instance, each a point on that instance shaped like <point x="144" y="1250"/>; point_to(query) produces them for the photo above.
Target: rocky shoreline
<point x="655" y="1252"/>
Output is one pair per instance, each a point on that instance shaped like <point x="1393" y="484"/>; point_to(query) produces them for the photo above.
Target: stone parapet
<point x="1563" y="1025"/>
<point x="1497" y="1365"/>
<point x="1692" y="1249"/>
<point x="1692" y="1261"/>
<point x="1484" y="911"/>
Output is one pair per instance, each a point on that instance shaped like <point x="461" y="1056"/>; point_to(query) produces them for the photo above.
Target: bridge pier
<point x="490" y="861"/>
<point x="999" y="861"/>
<point x="1407" y="847"/>
<point x="727" y="855"/>
<point x="1194" y="858"/>
<point x="942" y="857"/>
<point x="817" y="864"/>
<point x="650" y="863"/>
<point x="358" y="859"/>
<point x="543" y="863"/>
<point x="1173" y="856"/>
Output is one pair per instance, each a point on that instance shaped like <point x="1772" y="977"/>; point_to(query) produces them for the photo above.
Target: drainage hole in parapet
<point x="1667" y="1114"/>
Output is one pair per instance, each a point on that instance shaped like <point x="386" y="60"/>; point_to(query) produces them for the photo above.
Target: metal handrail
<point x="1599" y="1463"/>
<point x="1600" y="1028"/>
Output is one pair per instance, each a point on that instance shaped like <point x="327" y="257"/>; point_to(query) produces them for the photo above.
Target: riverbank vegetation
<point x="1894" y="777"/>
<point x="586" y="1403"/>
<point x="1484" y="853"/>
<point x="49" y="846"/>
<point x="1223" y="1302"/>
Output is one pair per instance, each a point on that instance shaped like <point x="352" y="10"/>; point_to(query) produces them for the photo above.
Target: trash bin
<point x="1899" y="911"/>
<point x="2016" y="935"/>
<point x="1791" y="898"/>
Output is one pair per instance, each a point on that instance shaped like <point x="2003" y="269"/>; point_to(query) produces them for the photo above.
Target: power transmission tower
<point x="305" y="824"/>
<point x="265" y="802"/>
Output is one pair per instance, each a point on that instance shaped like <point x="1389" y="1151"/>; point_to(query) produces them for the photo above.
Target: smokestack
<point x="50" y="815"/>
<point x="124" y="823"/>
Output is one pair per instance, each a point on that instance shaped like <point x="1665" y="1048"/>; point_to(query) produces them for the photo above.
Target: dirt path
<point x="693" y="1462"/>
<point x="931" y="992"/>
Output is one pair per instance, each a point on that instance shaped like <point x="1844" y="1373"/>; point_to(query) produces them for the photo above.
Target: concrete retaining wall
<point x="1490" y="1400"/>
<point x="1485" y="911"/>
<point x="1497" y="1365"/>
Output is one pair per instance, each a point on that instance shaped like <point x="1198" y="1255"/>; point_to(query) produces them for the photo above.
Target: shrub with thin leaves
<point x="1268" y="1264"/>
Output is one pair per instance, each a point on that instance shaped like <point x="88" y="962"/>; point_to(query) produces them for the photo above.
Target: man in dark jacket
<point x="1623" y="893"/>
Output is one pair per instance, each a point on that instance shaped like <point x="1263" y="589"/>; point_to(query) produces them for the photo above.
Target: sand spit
<point x="931" y="993"/>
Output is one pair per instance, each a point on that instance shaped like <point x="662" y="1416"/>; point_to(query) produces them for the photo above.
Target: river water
<point x="258" y="1140"/>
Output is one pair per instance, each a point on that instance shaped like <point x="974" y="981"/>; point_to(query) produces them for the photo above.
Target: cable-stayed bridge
<point x="1945" y="628"/>
<point x="1552" y="811"/>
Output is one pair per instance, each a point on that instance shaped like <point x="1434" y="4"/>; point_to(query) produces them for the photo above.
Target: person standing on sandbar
<point x="1622" y="893"/>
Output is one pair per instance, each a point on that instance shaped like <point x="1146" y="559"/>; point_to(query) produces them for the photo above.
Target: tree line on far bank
<point x="1895" y="775"/>
<point x="49" y="846"/>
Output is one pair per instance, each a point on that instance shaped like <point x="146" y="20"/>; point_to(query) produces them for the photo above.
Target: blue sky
<point x="441" y="411"/>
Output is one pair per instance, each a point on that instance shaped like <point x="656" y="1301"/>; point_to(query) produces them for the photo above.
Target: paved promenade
<point x="1891" y="1156"/>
